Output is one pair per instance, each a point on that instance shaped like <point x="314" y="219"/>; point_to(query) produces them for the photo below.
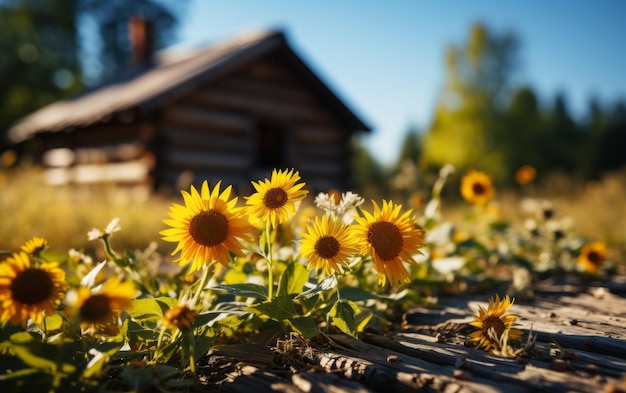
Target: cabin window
<point x="271" y="146"/>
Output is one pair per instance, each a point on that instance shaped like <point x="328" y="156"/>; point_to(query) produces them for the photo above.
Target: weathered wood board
<point x="580" y="347"/>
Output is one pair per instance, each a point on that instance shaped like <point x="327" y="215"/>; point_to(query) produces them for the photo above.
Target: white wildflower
<point x="112" y="226"/>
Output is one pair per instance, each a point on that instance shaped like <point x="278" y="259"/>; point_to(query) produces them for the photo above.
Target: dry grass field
<point x="63" y="215"/>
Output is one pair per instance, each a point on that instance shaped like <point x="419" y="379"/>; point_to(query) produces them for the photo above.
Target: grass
<point x="64" y="214"/>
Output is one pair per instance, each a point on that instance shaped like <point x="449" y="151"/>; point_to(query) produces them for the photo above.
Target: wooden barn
<point x="230" y="112"/>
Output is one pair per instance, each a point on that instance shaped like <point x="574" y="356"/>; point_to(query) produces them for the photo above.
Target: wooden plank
<point x="273" y="70"/>
<point x="206" y="118"/>
<point x="262" y="107"/>
<point x="325" y="135"/>
<point x="566" y="357"/>
<point x="208" y="139"/>
<point x="271" y="90"/>
<point x="321" y="153"/>
<point x="195" y="160"/>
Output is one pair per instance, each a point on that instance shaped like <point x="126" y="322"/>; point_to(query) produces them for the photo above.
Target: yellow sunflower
<point x="35" y="246"/>
<point x="26" y="291"/>
<point x="180" y="317"/>
<point x="275" y="199"/>
<point x="494" y="318"/>
<point x="477" y="188"/>
<point x="591" y="257"/>
<point x="207" y="228"/>
<point x="100" y="308"/>
<point x="391" y="239"/>
<point x="328" y="244"/>
<point x="525" y="174"/>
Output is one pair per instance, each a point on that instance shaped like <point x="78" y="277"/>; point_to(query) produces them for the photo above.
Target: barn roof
<point x="168" y="78"/>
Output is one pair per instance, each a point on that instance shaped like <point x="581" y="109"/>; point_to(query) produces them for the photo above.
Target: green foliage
<point x="467" y="129"/>
<point x="40" y="63"/>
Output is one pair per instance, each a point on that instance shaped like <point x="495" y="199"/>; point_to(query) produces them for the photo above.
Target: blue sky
<point x="385" y="59"/>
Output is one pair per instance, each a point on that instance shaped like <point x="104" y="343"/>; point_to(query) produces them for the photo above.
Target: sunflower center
<point x="95" y="309"/>
<point x="275" y="198"/>
<point x="327" y="247"/>
<point x="594" y="257"/>
<point x="32" y="286"/>
<point x="209" y="228"/>
<point x="494" y="323"/>
<point x="386" y="239"/>
<point x="479" y="188"/>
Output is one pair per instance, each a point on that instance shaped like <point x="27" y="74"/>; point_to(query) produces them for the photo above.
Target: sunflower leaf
<point x="342" y="314"/>
<point x="244" y="289"/>
<point x="326" y="284"/>
<point x="279" y="308"/>
<point x="292" y="279"/>
<point x="304" y="325"/>
<point x="149" y="309"/>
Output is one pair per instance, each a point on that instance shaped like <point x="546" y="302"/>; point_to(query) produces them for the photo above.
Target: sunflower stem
<point x="337" y="287"/>
<point x="157" y="352"/>
<point x="268" y="257"/>
<point x="206" y="275"/>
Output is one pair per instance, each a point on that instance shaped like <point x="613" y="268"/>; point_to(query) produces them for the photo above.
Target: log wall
<point x="214" y="132"/>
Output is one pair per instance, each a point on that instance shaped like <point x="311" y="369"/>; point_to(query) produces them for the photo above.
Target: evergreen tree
<point x="563" y="139"/>
<point x="524" y="143"/>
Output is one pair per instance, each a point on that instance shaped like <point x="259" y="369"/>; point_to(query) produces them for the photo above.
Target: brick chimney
<point x="141" y="35"/>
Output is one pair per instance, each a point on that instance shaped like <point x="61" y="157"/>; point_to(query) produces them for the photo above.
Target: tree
<point x="411" y="146"/>
<point x="563" y="139"/>
<point x="524" y="143"/>
<point x="610" y="151"/>
<point x="111" y="18"/>
<point x="38" y="40"/>
<point x="468" y="126"/>
<point x="42" y="46"/>
<point x="368" y="177"/>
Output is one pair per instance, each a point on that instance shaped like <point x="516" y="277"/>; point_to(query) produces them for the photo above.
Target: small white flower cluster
<point x="349" y="201"/>
<point x="113" y="226"/>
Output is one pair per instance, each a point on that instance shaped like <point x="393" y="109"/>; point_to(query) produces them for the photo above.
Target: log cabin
<point x="232" y="111"/>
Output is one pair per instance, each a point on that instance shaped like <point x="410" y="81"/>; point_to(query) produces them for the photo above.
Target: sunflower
<point x="591" y="257"/>
<point x="35" y="246"/>
<point x="477" y="188"/>
<point x="275" y="199"/>
<point x="525" y="174"/>
<point x="100" y="307"/>
<point x="328" y="244"/>
<point x="26" y="291"/>
<point x="180" y="317"/>
<point x="207" y="228"/>
<point x="390" y="238"/>
<point x="494" y="318"/>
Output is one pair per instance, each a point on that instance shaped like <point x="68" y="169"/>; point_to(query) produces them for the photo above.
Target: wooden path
<point x="580" y="347"/>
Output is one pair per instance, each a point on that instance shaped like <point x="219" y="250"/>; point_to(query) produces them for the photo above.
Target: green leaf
<point x="342" y="314"/>
<point x="27" y="355"/>
<point x="293" y="279"/>
<point x="228" y="318"/>
<point x="279" y="308"/>
<point x="22" y="338"/>
<point x="326" y="284"/>
<point x="53" y="322"/>
<point x="304" y="325"/>
<point x="150" y="309"/>
<point x="244" y="289"/>
<point x="362" y="319"/>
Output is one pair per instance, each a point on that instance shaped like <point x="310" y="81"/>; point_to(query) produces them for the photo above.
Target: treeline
<point x="53" y="49"/>
<point x="484" y="121"/>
